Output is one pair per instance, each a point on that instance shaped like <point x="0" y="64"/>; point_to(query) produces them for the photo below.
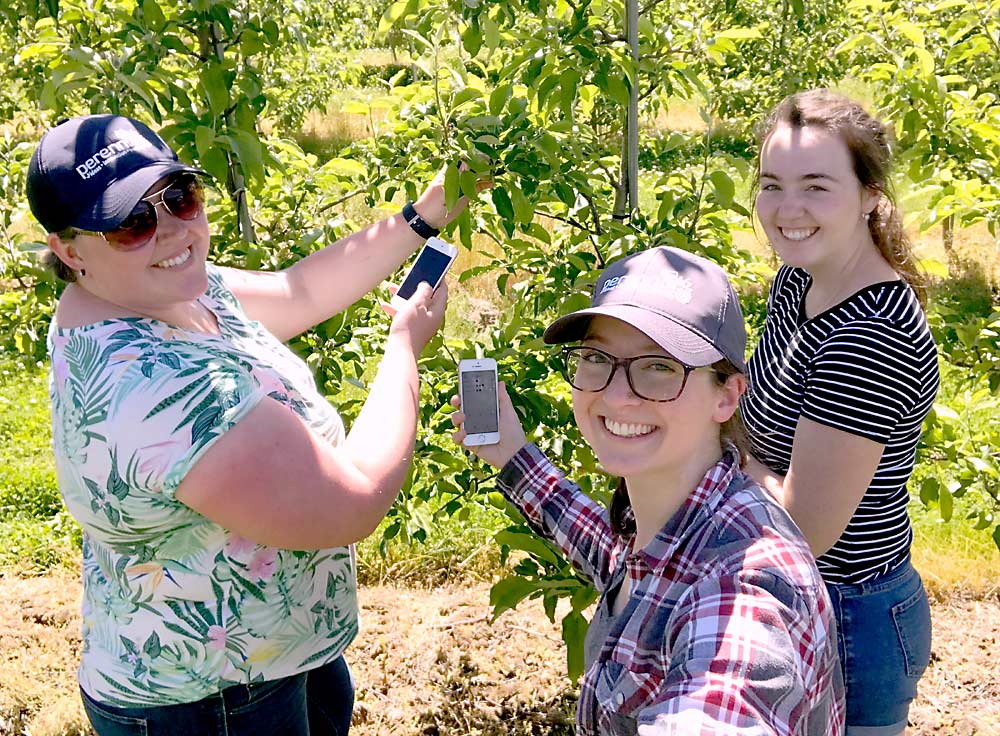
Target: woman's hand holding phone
<point x="419" y="317"/>
<point x="512" y="436"/>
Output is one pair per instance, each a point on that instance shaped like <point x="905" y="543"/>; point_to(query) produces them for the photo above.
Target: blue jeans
<point x="314" y="703"/>
<point x="884" y="638"/>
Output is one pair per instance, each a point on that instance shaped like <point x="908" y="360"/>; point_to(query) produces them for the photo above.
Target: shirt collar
<point x="697" y="508"/>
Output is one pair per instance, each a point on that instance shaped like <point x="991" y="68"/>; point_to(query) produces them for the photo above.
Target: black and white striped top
<point x="867" y="366"/>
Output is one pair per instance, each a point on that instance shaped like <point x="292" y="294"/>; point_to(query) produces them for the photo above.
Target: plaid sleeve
<point x="559" y="511"/>
<point x="744" y="658"/>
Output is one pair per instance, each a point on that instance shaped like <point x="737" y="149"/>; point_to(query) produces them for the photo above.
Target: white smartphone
<point x="430" y="266"/>
<point x="477" y="388"/>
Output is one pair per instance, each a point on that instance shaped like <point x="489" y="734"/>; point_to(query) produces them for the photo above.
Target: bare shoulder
<point x="78" y="308"/>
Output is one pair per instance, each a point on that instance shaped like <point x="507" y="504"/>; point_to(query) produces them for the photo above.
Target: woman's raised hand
<point x="431" y="207"/>
<point x="420" y="317"/>
<point x="512" y="436"/>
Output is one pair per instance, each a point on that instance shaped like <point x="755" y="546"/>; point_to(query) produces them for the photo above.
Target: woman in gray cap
<point x="218" y="491"/>
<point x="712" y="616"/>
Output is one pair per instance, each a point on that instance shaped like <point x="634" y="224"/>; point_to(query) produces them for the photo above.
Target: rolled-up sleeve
<point x="558" y="510"/>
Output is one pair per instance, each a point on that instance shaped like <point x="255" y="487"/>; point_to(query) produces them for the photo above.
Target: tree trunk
<point x="948" y="240"/>
<point x="211" y="45"/>
<point x="632" y="31"/>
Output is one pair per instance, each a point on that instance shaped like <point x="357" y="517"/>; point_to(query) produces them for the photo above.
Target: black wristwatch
<point x="417" y="223"/>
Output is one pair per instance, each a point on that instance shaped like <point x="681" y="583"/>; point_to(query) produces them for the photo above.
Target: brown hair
<point x="52" y="262"/>
<point x="869" y="143"/>
<point x="731" y="432"/>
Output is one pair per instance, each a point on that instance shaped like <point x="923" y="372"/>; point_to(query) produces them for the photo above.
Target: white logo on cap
<point x="127" y="141"/>
<point x="670" y="283"/>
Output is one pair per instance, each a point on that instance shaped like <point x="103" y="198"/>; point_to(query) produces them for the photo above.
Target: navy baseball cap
<point x="89" y="172"/>
<point x="683" y="302"/>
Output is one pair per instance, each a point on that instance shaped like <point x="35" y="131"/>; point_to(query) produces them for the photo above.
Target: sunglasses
<point x="183" y="198"/>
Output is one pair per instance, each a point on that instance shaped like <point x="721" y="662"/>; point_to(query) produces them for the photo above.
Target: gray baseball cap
<point x="683" y="302"/>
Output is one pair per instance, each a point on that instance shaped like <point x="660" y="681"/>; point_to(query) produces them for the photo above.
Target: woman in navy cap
<point x="712" y="616"/>
<point x="218" y="491"/>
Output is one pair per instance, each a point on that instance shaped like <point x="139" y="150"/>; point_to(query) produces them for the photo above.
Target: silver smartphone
<point x="430" y="266"/>
<point x="477" y="389"/>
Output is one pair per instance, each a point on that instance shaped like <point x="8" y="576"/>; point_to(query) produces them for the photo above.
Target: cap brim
<point x="117" y="201"/>
<point x="679" y="341"/>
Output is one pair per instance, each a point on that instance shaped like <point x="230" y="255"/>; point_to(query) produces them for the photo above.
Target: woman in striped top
<point x="843" y="376"/>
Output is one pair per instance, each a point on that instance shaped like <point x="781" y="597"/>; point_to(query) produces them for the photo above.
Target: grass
<point x="36" y="531"/>
<point x="953" y="557"/>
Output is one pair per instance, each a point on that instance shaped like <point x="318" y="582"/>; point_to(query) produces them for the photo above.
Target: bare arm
<point x="328" y="281"/>
<point x="271" y="479"/>
<point x="828" y="476"/>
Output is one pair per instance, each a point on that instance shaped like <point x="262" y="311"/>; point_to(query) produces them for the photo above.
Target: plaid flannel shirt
<point x="728" y="628"/>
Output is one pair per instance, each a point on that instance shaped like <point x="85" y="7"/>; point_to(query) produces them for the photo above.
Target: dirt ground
<point x="429" y="663"/>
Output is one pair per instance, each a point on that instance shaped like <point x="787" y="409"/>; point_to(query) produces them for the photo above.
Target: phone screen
<point x="430" y="266"/>
<point x="479" y="401"/>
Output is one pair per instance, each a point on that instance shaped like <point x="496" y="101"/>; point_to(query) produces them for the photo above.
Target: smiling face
<point x="811" y="203"/>
<point x="155" y="278"/>
<point x="641" y="440"/>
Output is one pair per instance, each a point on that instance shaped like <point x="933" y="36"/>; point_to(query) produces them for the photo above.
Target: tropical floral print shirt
<point x="176" y="608"/>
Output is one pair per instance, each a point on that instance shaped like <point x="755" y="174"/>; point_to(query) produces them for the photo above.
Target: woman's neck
<point x="656" y="498"/>
<point x="78" y="307"/>
<point x="833" y="284"/>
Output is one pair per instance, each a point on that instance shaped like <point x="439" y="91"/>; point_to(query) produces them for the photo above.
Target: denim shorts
<point x="884" y="638"/>
<point x="314" y="703"/>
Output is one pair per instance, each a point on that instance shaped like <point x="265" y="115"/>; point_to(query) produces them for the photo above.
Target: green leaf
<point x="452" y="185"/>
<point x="392" y="14"/>
<point x="929" y="490"/>
<point x="247" y="147"/>
<point x="467" y="183"/>
<point x="530" y="543"/>
<point x="472" y="40"/>
<point x="346" y="167"/>
<point x="739" y="34"/>
<point x="943" y="411"/>
<point x="574" y="632"/>
<point x="501" y="200"/>
<point x="724" y="188"/>
<point x="523" y="211"/>
<point x="926" y="62"/>
<point x="946" y="503"/>
<point x="499" y="97"/>
<point x="216" y="163"/>
<point x="507" y="593"/>
<point x="491" y="32"/>
<point x="152" y="15"/>
<point x="913" y="33"/>
<point x="213" y="82"/>
<point x="204" y="140"/>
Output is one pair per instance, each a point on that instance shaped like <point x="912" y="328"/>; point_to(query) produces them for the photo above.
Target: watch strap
<point x="417" y="223"/>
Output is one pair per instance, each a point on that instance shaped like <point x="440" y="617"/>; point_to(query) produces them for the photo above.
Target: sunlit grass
<point x="953" y="556"/>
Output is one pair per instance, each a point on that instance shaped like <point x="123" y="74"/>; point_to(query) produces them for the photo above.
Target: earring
<point x="866" y="216"/>
<point x="83" y="272"/>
